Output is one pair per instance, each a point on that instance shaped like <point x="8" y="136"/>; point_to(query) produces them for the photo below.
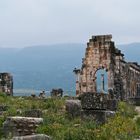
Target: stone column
<point x="102" y="83"/>
<point x="77" y="73"/>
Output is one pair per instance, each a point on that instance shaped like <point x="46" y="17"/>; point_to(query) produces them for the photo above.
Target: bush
<point x="58" y="125"/>
<point x="119" y="128"/>
<point x="126" y="110"/>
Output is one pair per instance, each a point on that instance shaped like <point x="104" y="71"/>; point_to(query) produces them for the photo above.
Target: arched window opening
<point x="102" y="81"/>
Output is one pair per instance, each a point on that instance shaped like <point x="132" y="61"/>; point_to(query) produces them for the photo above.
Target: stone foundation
<point x="21" y="126"/>
<point x="98" y="107"/>
<point x="99" y="116"/>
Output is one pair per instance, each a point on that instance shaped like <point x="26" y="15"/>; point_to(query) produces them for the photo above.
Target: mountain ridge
<point x="51" y="66"/>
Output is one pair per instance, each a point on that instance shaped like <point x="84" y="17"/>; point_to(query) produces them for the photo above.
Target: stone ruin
<point x="21" y="126"/>
<point x="92" y="106"/>
<point x="6" y="83"/>
<point x="104" y="70"/>
<point x="42" y="94"/>
<point x="98" y="107"/>
<point x="57" y="92"/>
<point x="104" y="79"/>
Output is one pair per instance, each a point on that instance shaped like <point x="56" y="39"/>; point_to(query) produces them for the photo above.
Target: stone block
<point x="33" y="137"/>
<point x="94" y="101"/>
<point x="73" y="107"/>
<point x="21" y="126"/>
<point x="99" y="116"/>
<point x="57" y="92"/>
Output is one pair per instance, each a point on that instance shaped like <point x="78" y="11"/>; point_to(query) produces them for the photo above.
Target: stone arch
<point x="101" y="75"/>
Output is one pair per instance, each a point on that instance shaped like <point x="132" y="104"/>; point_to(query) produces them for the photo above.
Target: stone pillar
<point x="102" y="83"/>
<point x="77" y="73"/>
<point x="83" y="81"/>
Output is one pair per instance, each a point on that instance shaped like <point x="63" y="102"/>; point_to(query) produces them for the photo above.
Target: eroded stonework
<point x="21" y="126"/>
<point x="6" y="83"/>
<point x="123" y="78"/>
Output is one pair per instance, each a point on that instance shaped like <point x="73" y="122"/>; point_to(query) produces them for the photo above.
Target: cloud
<point x="28" y="22"/>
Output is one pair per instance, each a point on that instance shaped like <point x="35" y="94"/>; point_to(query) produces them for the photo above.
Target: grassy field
<point x="60" y="126"/>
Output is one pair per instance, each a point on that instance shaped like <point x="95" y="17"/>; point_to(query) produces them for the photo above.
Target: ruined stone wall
<point x="98" y="56"/>
<point x="123" y="77"/>
<point x="133" y="80"/>
<point x="21" y="126"/>
<point x="6" y="83"/>
<point x="129" y="80"/>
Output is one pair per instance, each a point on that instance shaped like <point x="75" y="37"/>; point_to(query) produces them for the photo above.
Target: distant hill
<point x="43" y="67"/>
<point x="131" y="51"/>
<point x="50" y="66"/>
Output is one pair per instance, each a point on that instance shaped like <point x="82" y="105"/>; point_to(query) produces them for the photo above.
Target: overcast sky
<point x="39" y="22"/>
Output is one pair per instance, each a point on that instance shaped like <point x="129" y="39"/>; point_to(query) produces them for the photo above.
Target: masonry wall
<point x="6" y="83"/>
<point x="101" y="53"/>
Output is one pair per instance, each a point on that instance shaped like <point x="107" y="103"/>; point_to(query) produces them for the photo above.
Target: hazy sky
<point x="34" y="22"/>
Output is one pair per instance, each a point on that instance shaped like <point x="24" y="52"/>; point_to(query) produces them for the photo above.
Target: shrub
<point x="58" y="125"/>
<point x="119" y="128"/>
<point x="126" y="110"/>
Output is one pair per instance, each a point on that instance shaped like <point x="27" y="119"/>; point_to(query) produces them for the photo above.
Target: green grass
<point x="59" y="126"/>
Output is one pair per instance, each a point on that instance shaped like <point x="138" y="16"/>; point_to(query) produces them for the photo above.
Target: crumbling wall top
<point x="102" y="38"/>
<point x="118" y="52"/>
<point x="6" y="73"/>
<point x="134" y="65"/>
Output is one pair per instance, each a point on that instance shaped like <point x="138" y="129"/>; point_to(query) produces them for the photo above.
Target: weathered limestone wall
<point x="133" y="80"/>
<point x="6" y="83"/>
<point x="123" y="78"/>
<point x="98" y="56"/>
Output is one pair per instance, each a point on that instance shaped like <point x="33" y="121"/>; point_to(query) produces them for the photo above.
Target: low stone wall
<point x="21" y="126"/>
<point x="99" y="116"/>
